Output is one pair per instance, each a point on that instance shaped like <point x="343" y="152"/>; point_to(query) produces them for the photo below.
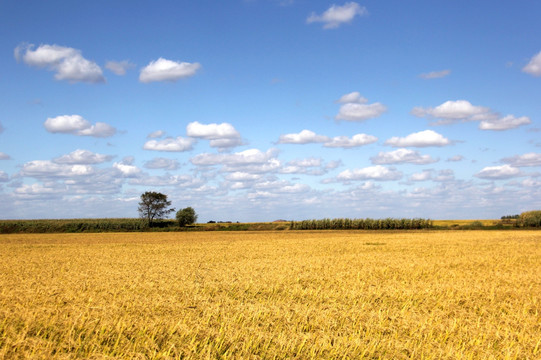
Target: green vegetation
<point x="362" y="224"/>
<point x="186" y="216"/>
<point x="530" y="219"/>
<point x="72" y="225"/>
<point x="154" y="206"/>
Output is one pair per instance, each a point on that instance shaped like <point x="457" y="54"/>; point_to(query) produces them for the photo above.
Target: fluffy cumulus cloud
<point x="167" y="70"/>
<point x="401" y="156"/>
<point x="499" y="172"/>
<point x="419" y="139"/>
<point x="378" y="173"/>
<point x="82" y="157"/>
<point x="221" y="136"/>
<point x="337" y="15"/>
<point x="304" y="137"/>
<point x="178" y="144"/>
<point x="355" y="141"/>
<point x="504" y="123"/>
<point x="67" y="63"/>
<point x="359" y="111"/>
<point x="534" y="66"/>
<point x="355" y="107"/>
<point x="162" y="163"/>
<point x="126" y="169"/>
<point x="119" y="67"/>
<point x="77" y="125"/>
<point x="4" y="156"/>
<point x="46" y="168"/>
<point x="529" y="159"/>
<point x="251" y="160"/>
<point x="451" y="112"/>
<point x="435" y="74"/>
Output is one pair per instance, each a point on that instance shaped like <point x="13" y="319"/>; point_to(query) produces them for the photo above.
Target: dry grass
<point x="266" y="295"/>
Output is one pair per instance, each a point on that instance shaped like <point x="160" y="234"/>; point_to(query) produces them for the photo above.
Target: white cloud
<point x="420" y="139"/>
<point x="505" y="123"/>
<point x="355" y="141"/>
<point x="498" y="172"/>
<point x="77" y="125"/>
<point x="402" y="156"/>
<point x="336" y="15"/>
<point x="4" y="156"/>
<point x="242" y="176"/>
<point x="184" y="181"/>
<point x="445" y="175"/>
<point x="304" y="137"/>
<point x="68" y="63"/>
<point x="456" y="158"/>
<point x="127" y="170"/>
<point x="453" y="111"/>
<point x="46" y="168"/>
<point x="252" y="160"/>
<point x="156" y="134"/>
<point x="119" y="67"/>
<point x="422" y="176"/>
<point x="360" y="112"/>
<point x="221" y="136"/>
<point x="529" y="159"/>
<point x="309" y="166"/>
<point x="36" y="190"/>
<point x="82" y="157"/>
<point x="435" y="74"/>
<point x="534" y="66"/>
<point x="178" y="144"/>
<point x="162" y="163"/>
<point x="4" y="177"/>
<point x="167" y="70"/>
<point x="353" y="97"/>
<point x="378" y="172"/>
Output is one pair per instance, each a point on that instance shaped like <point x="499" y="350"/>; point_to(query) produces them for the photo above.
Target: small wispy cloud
<point x="534" y="66"/>
<point x="119" y="67"/>
<point x="336" y="15"/>
<point x="435" y="74"/>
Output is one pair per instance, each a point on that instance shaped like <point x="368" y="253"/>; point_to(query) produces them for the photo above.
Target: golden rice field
<point x="271" y="295"/>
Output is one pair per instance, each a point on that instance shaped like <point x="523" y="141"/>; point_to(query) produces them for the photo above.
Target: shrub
<point x="186" y="216"/>
<point x="530" y="218"/>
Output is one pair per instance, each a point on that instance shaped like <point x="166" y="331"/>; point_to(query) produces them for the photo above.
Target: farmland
<point x="271" y="294"/>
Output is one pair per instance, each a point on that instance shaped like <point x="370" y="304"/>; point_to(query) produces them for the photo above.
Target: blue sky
<point x="256" y="110"/>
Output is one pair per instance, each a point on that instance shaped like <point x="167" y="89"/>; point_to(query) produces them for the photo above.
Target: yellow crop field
<point x="272" y="295"/>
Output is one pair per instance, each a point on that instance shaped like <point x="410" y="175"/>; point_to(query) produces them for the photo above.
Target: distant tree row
<point x="361" y="224"/>
<point x="155" y="206"/>
<point x="510" y="217"/>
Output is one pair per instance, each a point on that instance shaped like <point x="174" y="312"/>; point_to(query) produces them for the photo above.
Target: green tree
<point x="154" y="206"/>
<point x="186" y="216"/>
